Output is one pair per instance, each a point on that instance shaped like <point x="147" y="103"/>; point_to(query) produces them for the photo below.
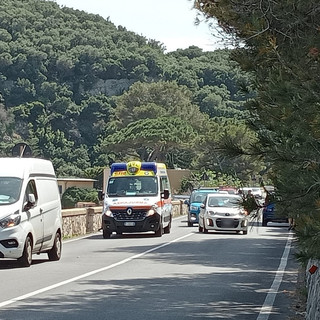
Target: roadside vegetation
<point x="280" y="47"/>
<point x="85" y="93"/>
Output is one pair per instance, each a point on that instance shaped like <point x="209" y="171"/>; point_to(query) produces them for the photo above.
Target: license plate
<point x="227" y="223"/>
<point x="129" y="224"/>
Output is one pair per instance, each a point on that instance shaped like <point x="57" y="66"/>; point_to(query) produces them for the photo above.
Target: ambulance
<point x="137" y="199"/>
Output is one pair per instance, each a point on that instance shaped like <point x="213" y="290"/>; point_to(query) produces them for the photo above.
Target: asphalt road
<point x="182" y="275"/>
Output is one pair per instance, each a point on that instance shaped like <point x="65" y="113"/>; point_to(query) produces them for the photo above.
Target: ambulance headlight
<point x="152" y="211"/>
<point x="108" y="213"/>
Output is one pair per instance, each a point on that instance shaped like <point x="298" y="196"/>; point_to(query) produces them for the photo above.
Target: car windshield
<point x="10" y="188"/>
<point x="200" y="195"/>
<point x="132" y="186"/>
<point x="229" y="202"/>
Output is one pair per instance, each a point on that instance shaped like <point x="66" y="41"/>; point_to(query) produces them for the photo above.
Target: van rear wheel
<point x="26" y="259"/>
<point x="55" y="253"/>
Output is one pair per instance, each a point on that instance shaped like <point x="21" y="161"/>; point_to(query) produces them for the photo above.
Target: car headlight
<point x="10" y="221"/>
<point x="243" y="213"/>
<point x="194" y="208"/>
<point x="211" y="213"/>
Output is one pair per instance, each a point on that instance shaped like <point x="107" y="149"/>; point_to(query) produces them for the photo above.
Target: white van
<point x="137" y="199"/>
<point x="30" y="210"/>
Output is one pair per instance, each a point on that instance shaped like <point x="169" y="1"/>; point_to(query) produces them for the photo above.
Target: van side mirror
<point x="31" y="201"/>
<point x="100" y="195"/>
<point x="165" y="194"/>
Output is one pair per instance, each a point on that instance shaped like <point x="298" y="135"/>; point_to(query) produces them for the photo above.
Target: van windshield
<point x="128" y="186"/>
<point x="10" y="188"/>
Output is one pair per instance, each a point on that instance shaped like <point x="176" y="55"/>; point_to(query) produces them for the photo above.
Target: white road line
<point x="88" y="274"/>
<point x="266" y="309"/>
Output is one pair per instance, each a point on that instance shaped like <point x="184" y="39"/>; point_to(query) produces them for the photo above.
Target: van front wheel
<point x="55" y="253"/>
<point x="26" y="259"/>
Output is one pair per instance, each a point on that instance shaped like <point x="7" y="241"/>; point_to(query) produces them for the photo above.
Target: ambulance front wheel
<point x="167" y="229"/>
<point x="159" y="232"/>
<point x="106" y="234"/>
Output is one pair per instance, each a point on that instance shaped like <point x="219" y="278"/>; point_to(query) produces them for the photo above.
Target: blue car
<point x="196" y="198"/>
<point x="269" y="215"/>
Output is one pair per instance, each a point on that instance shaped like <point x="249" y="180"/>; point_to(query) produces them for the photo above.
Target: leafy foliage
<point x="281" y="46"/>
<point x="208" y="178"/>
<point x="85" y="93"/>
<point x="73" y="195"/>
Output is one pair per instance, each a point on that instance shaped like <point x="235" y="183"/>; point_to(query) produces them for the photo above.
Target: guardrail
<point x="82" y="221"/>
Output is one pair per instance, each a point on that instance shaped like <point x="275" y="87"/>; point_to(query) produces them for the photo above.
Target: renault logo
<point x="129" y="211"/>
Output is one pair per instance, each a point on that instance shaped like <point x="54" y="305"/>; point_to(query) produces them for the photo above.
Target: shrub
<point x="73" y="195"/>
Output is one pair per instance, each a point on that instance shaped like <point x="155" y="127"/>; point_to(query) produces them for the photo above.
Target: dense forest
<point x="282" y="50"/>
<point x="85" y="93"/>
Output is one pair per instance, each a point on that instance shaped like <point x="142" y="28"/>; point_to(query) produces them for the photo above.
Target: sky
<point x="170" y="22"/>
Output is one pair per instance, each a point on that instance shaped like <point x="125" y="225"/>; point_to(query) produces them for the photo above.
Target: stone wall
<point x="74" y="222"/>
<point x="81" y="221"/>
<point x="313" y="287"/>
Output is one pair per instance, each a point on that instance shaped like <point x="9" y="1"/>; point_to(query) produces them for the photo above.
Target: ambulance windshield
<point x="128" y="186"/>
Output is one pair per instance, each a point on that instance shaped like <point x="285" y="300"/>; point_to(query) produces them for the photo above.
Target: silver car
<point x="223" y="212"/>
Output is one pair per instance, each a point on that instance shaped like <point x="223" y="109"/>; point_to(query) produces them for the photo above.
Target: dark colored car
<point x="269" y="214"/>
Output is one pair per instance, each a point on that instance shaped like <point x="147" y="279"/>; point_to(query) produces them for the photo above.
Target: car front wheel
<point x="205" y="230"/>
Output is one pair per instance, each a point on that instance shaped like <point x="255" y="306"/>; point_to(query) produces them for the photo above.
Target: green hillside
<point x="84" y="93"/>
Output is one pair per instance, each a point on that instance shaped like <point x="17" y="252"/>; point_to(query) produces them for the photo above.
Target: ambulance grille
<point x="136" y="215"/>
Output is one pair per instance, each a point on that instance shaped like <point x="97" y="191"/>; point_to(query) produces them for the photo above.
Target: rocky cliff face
<point x="111" y="87"/>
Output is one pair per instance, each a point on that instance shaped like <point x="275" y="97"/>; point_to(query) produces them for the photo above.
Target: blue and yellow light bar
<point x="133" y="168"/>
